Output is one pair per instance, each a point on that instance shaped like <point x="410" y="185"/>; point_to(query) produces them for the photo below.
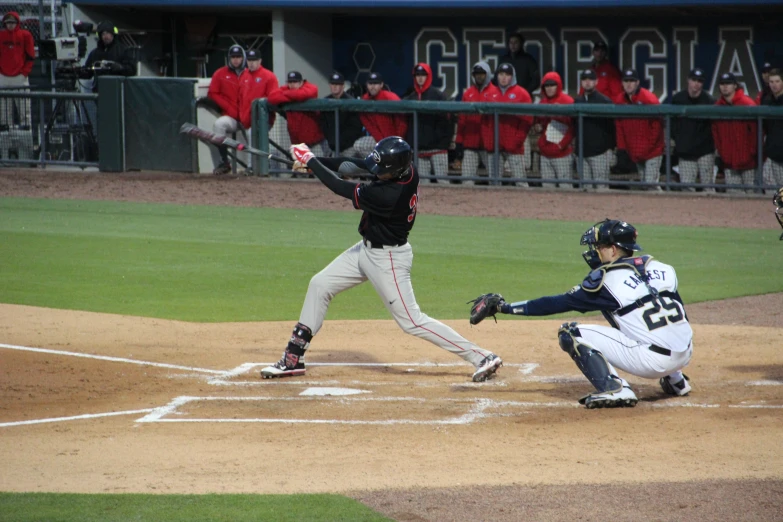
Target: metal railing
<point x="56" y="128"/>
<point x="667" y="114"/>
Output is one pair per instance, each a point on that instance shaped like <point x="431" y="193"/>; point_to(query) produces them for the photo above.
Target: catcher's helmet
<point x="608" y="232"/>
<point x="391" y="158"/>
<point x="777" y="199"/>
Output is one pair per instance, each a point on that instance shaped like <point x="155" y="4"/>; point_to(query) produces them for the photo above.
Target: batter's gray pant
<point x="558" y="168"/>
<point x="650" y="170"/>
<point x="21" y="105"/>
<point x="773" y="173"/>
<point x="597" y="168"/>
<point x="704" y="167"/>
<point x="737" y="177"/>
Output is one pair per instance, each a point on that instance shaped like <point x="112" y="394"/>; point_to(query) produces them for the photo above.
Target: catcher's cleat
<point x="619" y="399"/>
<point x="222" y="169"/>
<point x="290" y="365"/>
<point x="679" y="389"/>
<point x="488" y="367"/>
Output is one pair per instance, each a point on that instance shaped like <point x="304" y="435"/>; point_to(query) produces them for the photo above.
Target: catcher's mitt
<point x="484" y="306"/>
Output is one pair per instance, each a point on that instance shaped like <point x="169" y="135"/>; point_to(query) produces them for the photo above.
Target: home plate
<point x="332" y="391"/>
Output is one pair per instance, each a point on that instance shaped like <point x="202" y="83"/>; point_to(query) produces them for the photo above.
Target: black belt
<point x="370" y="244"/>
<point x="662" y="351"/>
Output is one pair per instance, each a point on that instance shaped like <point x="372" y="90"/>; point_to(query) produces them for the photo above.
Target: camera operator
<point x="111" y="57"/>
<point x="17" y="53"/>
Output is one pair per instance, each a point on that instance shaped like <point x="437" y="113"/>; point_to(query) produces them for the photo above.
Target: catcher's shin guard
<point x="590" y="361"/>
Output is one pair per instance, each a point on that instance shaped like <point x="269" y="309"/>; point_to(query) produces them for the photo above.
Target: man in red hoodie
<point x="609" y="82"/>
<point x="378" y="125"/>
<point x="224" y="91"/>
<point x="735" y="140"/>
<point x="641" y="138"/>
<point x="303" y="127"/>
<point x="470" y="126"/>
<point x="17" y="52"/>
<point x="254" y="83"/>
<point x="513" y="128"/>
<point x="557" y="134"/>
<point x="435" y="130"/>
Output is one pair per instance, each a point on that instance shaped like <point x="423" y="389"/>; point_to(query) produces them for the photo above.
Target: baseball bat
<point x="216" y="139"/>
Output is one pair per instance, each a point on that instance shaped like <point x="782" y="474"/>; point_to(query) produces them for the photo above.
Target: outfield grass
<point x="216" y="264"/>
<point x="60" y="507"/>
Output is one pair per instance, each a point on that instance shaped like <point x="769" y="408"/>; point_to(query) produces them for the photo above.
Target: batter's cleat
<point x="679" y="389"/>
<point x="486" y="370"/>
<point x="625" y="398"/>
<point x="289" y="365"/>
<point x="222" y="169"/>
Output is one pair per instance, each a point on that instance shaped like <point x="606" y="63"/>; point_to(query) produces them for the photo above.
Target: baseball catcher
<point x="777" y="199"/>
<point x="638" y="296"/>
<point x="484" y="306"/>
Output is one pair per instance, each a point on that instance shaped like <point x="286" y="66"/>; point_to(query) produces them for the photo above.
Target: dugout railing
<point x="48" y="128"/>
<point x="621" y="175"/>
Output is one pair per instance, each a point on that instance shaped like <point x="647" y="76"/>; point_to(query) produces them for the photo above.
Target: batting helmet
<point x="391" y="158"/>
<point x="608" y="232"/>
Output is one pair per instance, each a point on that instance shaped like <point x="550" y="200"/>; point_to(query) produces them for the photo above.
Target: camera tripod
<point x="79" y="129"/>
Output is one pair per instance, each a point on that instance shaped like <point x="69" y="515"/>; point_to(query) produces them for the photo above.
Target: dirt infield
<point x="412" y="437"/>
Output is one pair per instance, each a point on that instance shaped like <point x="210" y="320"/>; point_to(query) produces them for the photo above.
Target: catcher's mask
<point x="777" y="199"/>
<point x="391" y="158"/>
<point x="608" y="232"/>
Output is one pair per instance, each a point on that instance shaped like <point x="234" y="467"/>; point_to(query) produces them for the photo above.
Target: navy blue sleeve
<point x="576" y="300"/>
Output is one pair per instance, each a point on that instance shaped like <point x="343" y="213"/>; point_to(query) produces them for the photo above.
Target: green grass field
<point x="215" y="264"/>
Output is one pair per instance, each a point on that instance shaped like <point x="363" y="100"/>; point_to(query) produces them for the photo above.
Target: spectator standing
<point x="110" y="57"/>
<point x="351" y="128"/>
<point x="735" y="140"/>
<point x="513" y="128"/>
<point x="525" y="66"/>
<point x="773" y="146"/>
<point x="609" y="78"/>
<point x="435" y="130"/>
<point x="17" y="52"/>
<point x="765" y="70"/>
<point x="472" y="127"/>
<point x="303" y="127"/>
<point x="641" y="138"/>
<point x="224" y="91"/>
<point x="598" y="134"/>
<point x="693" y="137"/>
<point x="378" y="125"/>
<point x="255" y="83"/>
<point x="555" y="142"/>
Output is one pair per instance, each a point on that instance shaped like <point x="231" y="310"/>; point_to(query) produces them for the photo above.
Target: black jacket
<point x="122" y="60"/>
<point x="773" y="146"/>
<point x="526" y="68"/>
<point x="351" y="128"/>
<point x="435" y="129"/>
<point x="692" y="137"/>
<point x="598" y="134"/>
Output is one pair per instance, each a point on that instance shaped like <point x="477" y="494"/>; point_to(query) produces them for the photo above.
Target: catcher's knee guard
<point x="590" y="361"/>
<point x="300" y="340"/>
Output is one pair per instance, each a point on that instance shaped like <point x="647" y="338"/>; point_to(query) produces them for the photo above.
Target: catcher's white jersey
<point x="655" y="319"/>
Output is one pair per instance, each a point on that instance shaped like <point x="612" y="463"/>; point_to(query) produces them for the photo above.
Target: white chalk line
<point x="108" y="358"/>
<point x="75" y="417"/>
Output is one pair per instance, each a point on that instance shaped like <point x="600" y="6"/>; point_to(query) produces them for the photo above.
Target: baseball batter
<point x="383" y="256"/>
<point x="638" y="296"/>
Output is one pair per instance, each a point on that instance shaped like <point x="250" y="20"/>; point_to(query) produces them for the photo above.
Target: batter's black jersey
<point x="389" y="206"/>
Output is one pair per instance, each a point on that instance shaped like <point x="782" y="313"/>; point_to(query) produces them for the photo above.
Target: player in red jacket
<point x="641" y="138"/>
<point x="224" y="92"/>
<point x="735" y="140"/>
<point x="17" y="52"/>
<point x="513" y="128"/>
<point x="378" y="125"/>
<point x="303" y="127"/>
<point x="555" y="142"/>
<point x="609" y="78"/>
<point x="255" y="83"/>
<point x="470" y="126"/>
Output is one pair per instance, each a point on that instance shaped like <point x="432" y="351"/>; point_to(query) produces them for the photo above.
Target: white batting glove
<point x="302" y="153"/>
